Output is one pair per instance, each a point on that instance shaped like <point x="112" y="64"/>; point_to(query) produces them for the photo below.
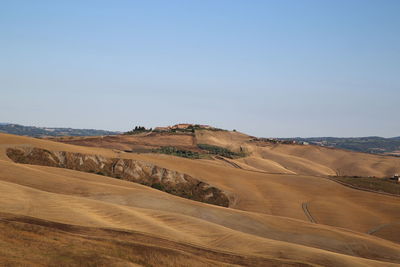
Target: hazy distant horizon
<point x="266" y="68"/>
<point x="121" y="131"/>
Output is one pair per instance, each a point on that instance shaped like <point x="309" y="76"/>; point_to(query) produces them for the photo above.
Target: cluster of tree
<point x="194" y="127"/>
<point x="190" y="129"/>
<point x="138" y="129"/>
<point x="170" y="150"/>
<point x="221" y="151"/>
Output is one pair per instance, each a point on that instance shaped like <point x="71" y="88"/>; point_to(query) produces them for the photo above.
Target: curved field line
<point x="360" y="188"/>
<point x="229" y="162"/>
<point x="380" y="227"/>
<point x="307" y="212"/>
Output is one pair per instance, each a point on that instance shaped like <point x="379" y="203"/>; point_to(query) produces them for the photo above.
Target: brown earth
<point x="172" y="182"/>
<point x="88" y="246"/>
<point x="302" y="159"/>
<point x="142" y="142"/>
<point x="262" y="156"/>
<point x="74" y="215"/>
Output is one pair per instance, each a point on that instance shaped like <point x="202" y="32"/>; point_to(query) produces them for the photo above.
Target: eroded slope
<point x="141" y="172"/>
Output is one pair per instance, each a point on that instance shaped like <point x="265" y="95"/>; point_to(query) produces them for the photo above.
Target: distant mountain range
<point x="49" y="131"/>
<point x="371" y="144"/>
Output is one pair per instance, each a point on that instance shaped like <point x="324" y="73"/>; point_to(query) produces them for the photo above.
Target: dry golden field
<point x="283" y="210"/>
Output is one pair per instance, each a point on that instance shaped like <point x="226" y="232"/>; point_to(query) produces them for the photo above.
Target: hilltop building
<point x="181" y="126"/>
<point x="161" y="129"/>
<point x="188" y="125"/>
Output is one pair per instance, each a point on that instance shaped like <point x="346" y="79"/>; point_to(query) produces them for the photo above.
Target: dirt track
<point x="307" y="212"/>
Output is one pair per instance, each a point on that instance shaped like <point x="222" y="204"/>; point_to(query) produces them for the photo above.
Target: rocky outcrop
<point x="145" y="173"/>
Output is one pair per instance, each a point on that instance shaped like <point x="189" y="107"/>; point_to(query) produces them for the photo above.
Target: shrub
<point x="221" y="151"/>
<point x="137" y="130"/>
<point x="169" y="150"/>
<point x="158" y="186"/>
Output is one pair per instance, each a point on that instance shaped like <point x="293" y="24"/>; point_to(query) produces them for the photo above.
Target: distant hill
<point x="371" y="144"/>
<point x="47" y="131"/>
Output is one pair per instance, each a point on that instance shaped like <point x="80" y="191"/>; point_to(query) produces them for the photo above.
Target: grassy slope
<point x="272" y="158"/>
<point x="283" y="195"/>
<point x="25" y="239"/>
<point x="309" y="160"/>
<point x="90" y="200"/>
<point x="369" y="183"/>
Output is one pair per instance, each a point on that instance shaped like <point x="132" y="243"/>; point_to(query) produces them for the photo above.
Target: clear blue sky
<point x="268" y="68"/>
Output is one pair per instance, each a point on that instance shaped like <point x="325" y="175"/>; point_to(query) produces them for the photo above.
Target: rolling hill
<point x="282" y="211"/>
<point x="261" y="155"/>
<point x="371" y="144"/>
<point x="33" y="131"/>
